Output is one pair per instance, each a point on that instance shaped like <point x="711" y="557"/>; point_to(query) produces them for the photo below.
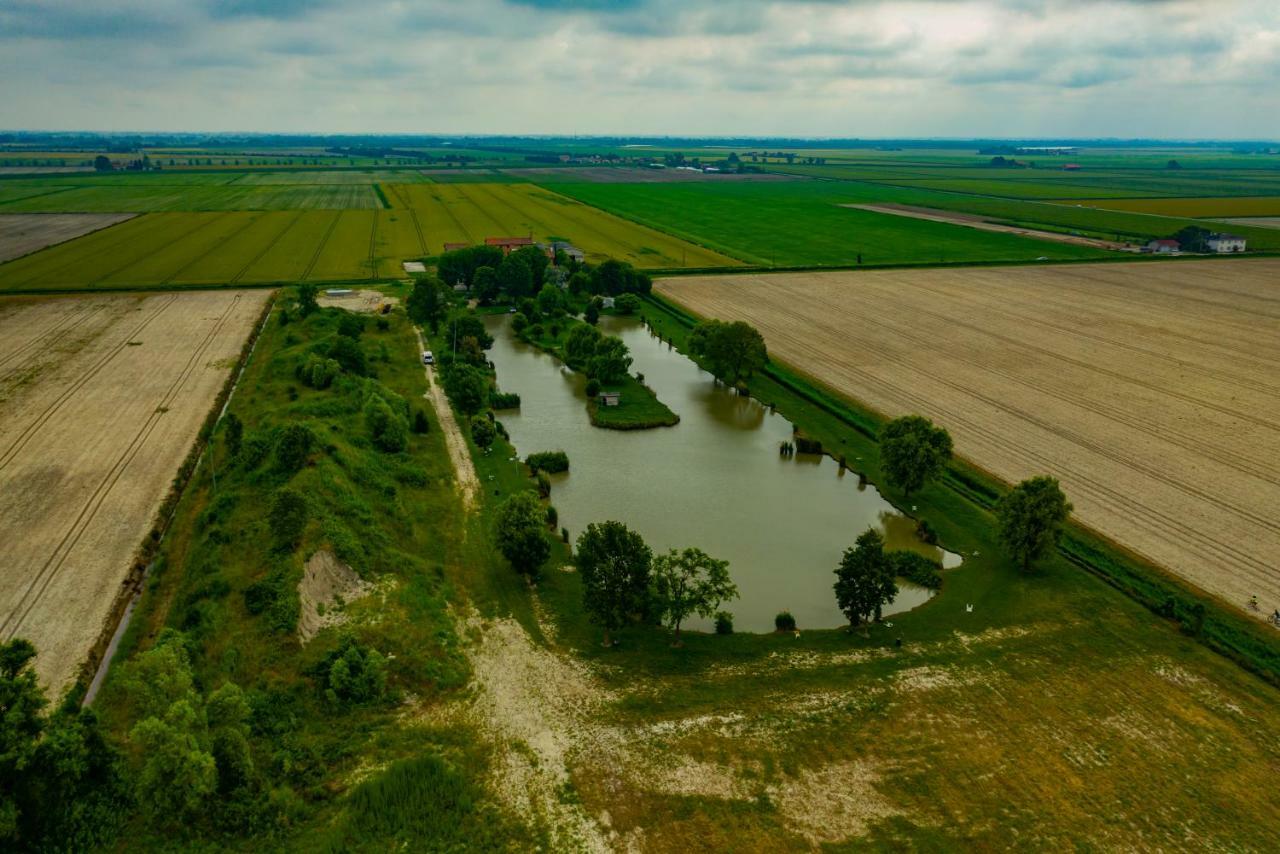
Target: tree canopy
<point x="614" y="563"/>
<point x="913" y="451"/>
<point x="426" y="303"/>
<point x="689" y="582"/>
<point x="1031" y="516"/>
<point x="521" y="533"/>
<point x="865" y="579"/>
<point x="731" y="351"/>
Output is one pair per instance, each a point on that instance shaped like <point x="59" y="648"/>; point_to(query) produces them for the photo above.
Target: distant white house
<point x="606" y="302"/>
<point x="1224" y="243"/>
<point x="1163" y="247"/>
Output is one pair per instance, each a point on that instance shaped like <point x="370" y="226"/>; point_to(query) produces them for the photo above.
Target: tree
<point x="482" y="432"/>
<point x="1031" y="516"/>
<point x="307" y="299"/>
<point x="614" y="563"/>
<point x="485" y="285"/>
<point x="102" y="163"/>
<point x="515" y="278"/>
<point x="1193" y="238"/>
<point x="468" y="325"/>
<point x="351" y="325"/>
<point x="627" y="304"/>
<point x="610" y="361"/>
<point x="521" y="533"/>
<point x="288" y="519"/>
<point x="537" y="261"/>
<point x="592" y="313"/>
<point x="466" y="386"/>
<point x="426" y="303"/>
<point x="580" y="346"/>
<point x="387" y="428"/>
<point x="913" y="451"/>
<point x="550" y="301"/>
<point x="689" y="582"/>
<point x="348" y="353"/>
<point x="864" y="579"/>
<point x="21" y="723"/>
<point x="731" y="351"/>
<point x="235" y="434"/>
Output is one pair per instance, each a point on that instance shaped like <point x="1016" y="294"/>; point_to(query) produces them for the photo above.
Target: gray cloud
<point x="821" y="67"/>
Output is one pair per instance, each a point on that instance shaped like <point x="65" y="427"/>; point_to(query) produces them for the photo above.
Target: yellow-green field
<point x="1202" y="207"/>
<point x="468" y="213"/>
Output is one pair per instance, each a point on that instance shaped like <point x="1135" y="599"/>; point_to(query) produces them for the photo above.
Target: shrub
<point x="294" y="447"/>
<point x="552" y="462"/>
<point x="553" y="516"/>
<point x="352" y="674"/>
<point x="504" y="400"/>
<point x="926" y="533"/>
<point x="387" y="429"/>
<point x="347" y="353"/>
<point x="519" y="323"/>
<point x="593" y="387"/>
<point x="724" y="623"/>
<point x="916" y="568"/>
<point x="482" y="432"/>
<point x="420" y="423"/>
<point x="384" y="325"/>
<point x="255" y="450"/>
<point x="520" y="533"/>
<point x="318" y="372"/>
<point x="627" y="304"/>
<point x="350" y="325"/>
<point x="544" y="484"/>
<point x="287" y="519"/>
<point x="784" y="622"/>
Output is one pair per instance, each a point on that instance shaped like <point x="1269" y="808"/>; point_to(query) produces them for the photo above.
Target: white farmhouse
<point x="1223" y="243"/>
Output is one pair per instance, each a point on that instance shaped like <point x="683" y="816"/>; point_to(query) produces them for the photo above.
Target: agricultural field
<point x="100" y="400"/>
<point x="155" y="195"/>
<point x="804" y="223"/>
<point x="1201" y="208"/>
<point x="468" y="213"/>
<point x="22" y="234"/>
<point x="1148" y="390"/>
<point x="240" y="247"/>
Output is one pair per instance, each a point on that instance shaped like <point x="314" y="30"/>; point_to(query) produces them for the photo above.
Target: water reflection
<point x="715" y="480"/>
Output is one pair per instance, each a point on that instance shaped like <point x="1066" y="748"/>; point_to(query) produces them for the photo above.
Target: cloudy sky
<point x="1167" y="68"/>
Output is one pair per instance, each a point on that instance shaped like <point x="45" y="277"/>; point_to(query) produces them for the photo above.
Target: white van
<point x="427" y="358"/>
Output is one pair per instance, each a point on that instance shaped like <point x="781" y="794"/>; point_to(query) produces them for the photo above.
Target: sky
<point x="1203" y="69"/>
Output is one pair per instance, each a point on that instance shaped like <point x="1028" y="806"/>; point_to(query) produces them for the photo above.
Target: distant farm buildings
<point x="1072" y="167"/>
<point x="508" y="244"/>
<point x="511" y="244"/>
<point x="1163" y="247"/>
<point x="1225" y="243"/>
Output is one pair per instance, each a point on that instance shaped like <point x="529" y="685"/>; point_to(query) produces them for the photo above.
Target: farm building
<point x="571" y="251"/>
<point x="1224" y="243"/>
<point x="1163" y="247"/>
<point x="508" y="244"/>
<point x="454" y="247"/>
<point x="1071" y="167"/>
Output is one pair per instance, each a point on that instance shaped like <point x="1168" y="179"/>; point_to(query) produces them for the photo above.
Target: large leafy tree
<point x="1031" y="516"/>
<point x="427" y="303"/>
<point x="515" y="277"/>
<point x="610" y="361"/>
<point x="731" y="351"/>
<point x="689" y="582"/>
<point x="466" y="386"/>
<point x="614" y="563"/>
<point x="913" y="451"/>
<point x="307" y="299"/>
<point x="521" y="533"/>
<point x="21" y="707"/>
<point x="865" y="579"/>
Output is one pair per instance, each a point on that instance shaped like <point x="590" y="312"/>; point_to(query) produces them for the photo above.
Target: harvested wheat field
<point x="1152" y="391"/>
<point x="100" y="400"/>
<point x="22" y="234"/>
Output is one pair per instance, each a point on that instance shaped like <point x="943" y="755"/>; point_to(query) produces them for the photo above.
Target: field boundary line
<point x="254" y="216"/>
<point x="200" y="227"/>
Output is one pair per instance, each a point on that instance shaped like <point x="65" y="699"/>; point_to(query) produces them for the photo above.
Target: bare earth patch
<point x="100" y="400"/>
<point x="365" y="302"/>
<point x="326" y="587"/>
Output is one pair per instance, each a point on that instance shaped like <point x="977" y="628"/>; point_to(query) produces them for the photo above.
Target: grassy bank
<point x="316" y="748"/>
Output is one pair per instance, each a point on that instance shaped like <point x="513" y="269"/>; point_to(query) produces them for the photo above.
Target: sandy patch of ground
<point x="365" y="302"/>
<point x="100" y="400"/>
<point x="326" y="587"/>
<point x="1260" y="221"/>
<point x="1151" y="391"/>
<point x="983" y="224"/>
<point x="463" y="469"/>
<point x="22" y="234"/>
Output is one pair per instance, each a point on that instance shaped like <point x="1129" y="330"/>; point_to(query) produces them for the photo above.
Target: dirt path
<point x="983" y="224"/>
<point x="463" y="469"/>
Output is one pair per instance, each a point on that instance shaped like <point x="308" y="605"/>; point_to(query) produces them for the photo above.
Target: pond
<point x="715" y="480"/>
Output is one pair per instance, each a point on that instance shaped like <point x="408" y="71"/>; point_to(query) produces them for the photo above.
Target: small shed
<point x="609" y="398"/>
<point x="414" y="267"/>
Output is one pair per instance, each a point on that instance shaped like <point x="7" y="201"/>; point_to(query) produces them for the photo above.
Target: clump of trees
<point x="598" y="356"/>
<point x="466" y="385"/>
<point x="552" y="462"/>
<point x="913" y="451"/>
<point x="1031" y="516"/>
<point x="352" y="674"/>
<point x="731" y="351"/>
<point x="63" y="787"/>
<point x="287" y="519"/>
<point x="520" y="534"/>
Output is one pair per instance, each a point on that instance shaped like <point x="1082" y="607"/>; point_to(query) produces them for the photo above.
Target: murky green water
<point x="714" y="481"/>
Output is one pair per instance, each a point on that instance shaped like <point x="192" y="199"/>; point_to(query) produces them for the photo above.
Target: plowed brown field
<point x="1152" y="391"/>
<point x="100" y="400"/>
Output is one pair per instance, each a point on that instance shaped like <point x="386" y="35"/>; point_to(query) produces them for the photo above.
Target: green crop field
<point x="802" y="223"/>
<point x="153" y="196"/>
<point x="1200" y="208"/>
<point x="468" y="213"/>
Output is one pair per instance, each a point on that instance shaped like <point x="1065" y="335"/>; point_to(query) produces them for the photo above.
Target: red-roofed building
<point x="1162" y="247"/>
<point x="453" y="247"/>
<point x="508" y="244"/>
<point x="1071" y="167"/>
